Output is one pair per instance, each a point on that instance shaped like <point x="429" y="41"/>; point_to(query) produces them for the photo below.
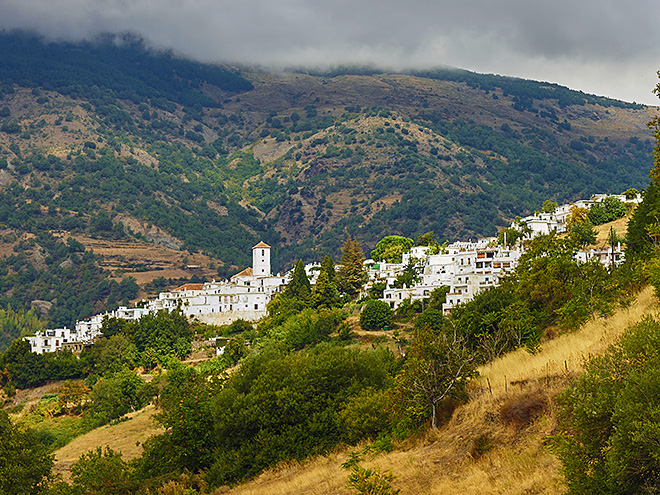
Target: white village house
<point x="544" y="223"/>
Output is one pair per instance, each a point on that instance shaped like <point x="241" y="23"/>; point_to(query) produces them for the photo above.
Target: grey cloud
<point x="603" y="45"/>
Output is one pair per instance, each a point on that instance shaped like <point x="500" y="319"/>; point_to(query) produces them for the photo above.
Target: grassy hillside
<point x="497" y="443"/>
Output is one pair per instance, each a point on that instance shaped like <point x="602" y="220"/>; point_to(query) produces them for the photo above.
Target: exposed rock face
<point x="150" y="232"/>
<point x="67" y="263"/>
<point x="269" y="150"/>
<point x="42" y="307"/>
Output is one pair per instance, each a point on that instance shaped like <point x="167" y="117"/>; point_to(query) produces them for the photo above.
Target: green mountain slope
<point x="94" y="133"/>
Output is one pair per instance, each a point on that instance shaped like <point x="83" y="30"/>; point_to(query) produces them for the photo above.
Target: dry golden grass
<point x="567" y="352"/>
<point x="619" y="226"/>
<point x="125" y="437"/>
<point x="446" y="461"/>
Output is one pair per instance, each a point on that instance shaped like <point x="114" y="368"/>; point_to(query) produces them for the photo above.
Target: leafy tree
<point x="583" y="233"/>
<point x="481" y="322"/>
<point x="295" y="297"/>
<point x="608" y="210"/>
<point x="579" y="226"/>
<point x="410" y="274"/>
<point x="438" y="297"/>
<point x="631" y="193"/>
<point x="545" y="274"/>
<point x="437" y="368"/>
<point x="101" y="224"/>
<point x="161" y="331"/>
<point x="72" y="395"/>
<point x="509" y="235"/>
<point x="25" y="368"/>
<point x="428" y="239"/>
<point x="25" y="464"/>
<point x="375" y="315"/>
<point x="278" y="407"/>
<point x="309" y="327"/>
<point x="391" y="248"/>
<point x="614" y="207"/>
<point x="114" y="354"/>
<point x="351" y="275"/>
<point x="549" y="206"/>
<point x="377" y="289"/>
<point x="187" y="414"/>
<point x="597" y="214"/>
<point x="430" y="317"/>
<point x="577" y="215"/>
<point x="325" y="294"/>
<point x="236" y="349"/>
<point x="115" y="395"/>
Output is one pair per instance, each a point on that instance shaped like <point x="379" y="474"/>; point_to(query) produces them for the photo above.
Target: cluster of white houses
<point x="244" y="296"/>
<point x="466" y="268"/>
<point x="545" y="223"/>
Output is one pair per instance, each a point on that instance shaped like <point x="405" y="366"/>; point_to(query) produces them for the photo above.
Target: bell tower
<point x="261" y="260"/>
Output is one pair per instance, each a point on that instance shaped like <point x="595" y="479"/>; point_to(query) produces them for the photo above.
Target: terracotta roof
<point x="190" y="287"/>
<point x="245" y="273"/>
<point x="261" y="245"/>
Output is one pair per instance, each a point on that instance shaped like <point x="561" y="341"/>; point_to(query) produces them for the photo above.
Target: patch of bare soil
<point x="270" y="150"/>
<point x="35" y="394"/>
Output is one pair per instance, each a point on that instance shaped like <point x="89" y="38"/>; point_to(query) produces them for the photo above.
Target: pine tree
<point x="352" y="275"/>
<point x="325" y="294"/>
<point x="299" y="286"/>
<point x="328" y="266"/>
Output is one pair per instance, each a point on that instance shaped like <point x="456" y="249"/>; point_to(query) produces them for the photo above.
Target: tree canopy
<point x="391" y="248"/>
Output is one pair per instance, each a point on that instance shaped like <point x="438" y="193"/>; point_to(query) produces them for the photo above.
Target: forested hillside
<point x="95" y="137"/>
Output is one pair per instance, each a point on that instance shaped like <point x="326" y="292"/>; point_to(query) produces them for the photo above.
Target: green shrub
<point x="608" y="421"/>
<point x="375" y="315"/>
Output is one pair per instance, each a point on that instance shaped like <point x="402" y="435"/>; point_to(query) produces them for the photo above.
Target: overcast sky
<point x="606" y="47"/>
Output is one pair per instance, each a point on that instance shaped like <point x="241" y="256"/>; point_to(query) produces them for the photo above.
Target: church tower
<point x="261" y="260"/>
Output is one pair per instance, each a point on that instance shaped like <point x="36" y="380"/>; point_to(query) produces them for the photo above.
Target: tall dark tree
<point x="325" y="294"/>
<point x="352" y="275"/>
<point x="643" y="235"/>
<point x="328" y="266"/>
<point x="299" y="286"/>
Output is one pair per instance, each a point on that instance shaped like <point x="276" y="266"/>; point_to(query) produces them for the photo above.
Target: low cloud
<point x="606" y="47"/>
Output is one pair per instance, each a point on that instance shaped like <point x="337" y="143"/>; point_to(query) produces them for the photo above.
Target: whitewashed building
<point x="50" y="340"/>
<point x="466" y="267"/>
